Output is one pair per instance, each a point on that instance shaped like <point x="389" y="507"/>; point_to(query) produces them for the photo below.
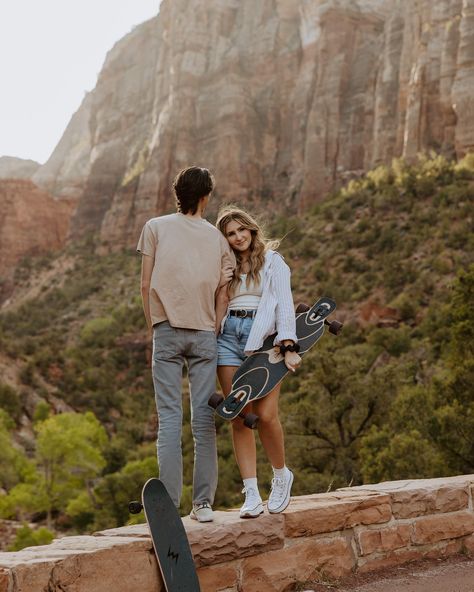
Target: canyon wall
<point x="283" y="99"/>
<point x="32" y="223"/>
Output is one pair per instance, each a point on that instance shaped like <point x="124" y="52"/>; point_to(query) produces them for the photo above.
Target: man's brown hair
<point x="190" y="185"/>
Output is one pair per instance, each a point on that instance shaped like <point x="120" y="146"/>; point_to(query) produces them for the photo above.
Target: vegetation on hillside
<point x="381" y="401"/>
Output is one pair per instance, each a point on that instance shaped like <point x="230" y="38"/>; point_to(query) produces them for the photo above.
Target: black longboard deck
<point x="263" y="370"/>
<point x="169" y="539"/>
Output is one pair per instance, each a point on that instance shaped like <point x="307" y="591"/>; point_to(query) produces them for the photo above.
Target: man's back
<point x="189" y="255"/>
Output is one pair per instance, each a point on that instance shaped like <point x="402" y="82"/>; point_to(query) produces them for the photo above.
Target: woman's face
<point x="239" y="238"/>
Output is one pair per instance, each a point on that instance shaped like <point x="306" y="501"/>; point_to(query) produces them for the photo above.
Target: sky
<point x="51" y="52"/>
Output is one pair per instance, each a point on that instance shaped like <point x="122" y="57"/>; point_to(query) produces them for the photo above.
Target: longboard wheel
<point x="215" y="400"/>
<point x="135" y="507"/>
<point x="251" y="421"/>
<point x="335" y="327"/>
<point x="302" y="307"/>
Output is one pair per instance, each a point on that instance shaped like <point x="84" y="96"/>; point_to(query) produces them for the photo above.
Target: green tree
<point x="14" y="465"/>
<point x="114" y="492"/>
<point x="69" y="456"/>
<point x="453" y="388"/>
<point x="429" y="428"/>
<point x="27" y="537"/>
<point x="9" y="401"/>
<point x="339" y="398"/>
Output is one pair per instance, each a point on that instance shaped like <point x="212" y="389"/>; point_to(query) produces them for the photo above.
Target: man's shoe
<point x="280" y="494"/>
<point x="253" y="506"/>
<point x="202" y="512"/>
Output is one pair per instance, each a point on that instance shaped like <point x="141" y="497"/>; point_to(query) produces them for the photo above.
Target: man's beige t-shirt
<point x="189" y="256"/>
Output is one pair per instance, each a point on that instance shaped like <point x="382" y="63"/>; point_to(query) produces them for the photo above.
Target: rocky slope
<point x="282" y="99"/>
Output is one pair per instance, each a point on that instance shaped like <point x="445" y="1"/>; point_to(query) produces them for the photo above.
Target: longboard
<point x="169" y="538"/>
<point x="264" y="369"/>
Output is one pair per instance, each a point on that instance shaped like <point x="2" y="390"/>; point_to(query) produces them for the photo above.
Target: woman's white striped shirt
<point x="275" y="311"/>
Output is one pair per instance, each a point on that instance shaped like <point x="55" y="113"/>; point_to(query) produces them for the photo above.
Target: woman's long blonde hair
<point x="259" y="244"/>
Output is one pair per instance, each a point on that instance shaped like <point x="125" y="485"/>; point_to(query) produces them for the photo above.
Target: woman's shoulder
<point x="275" y="259"/>
<point x="272" y="255"/>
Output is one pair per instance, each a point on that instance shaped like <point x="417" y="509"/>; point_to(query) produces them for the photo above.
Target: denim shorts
<point x="231" y="342"/>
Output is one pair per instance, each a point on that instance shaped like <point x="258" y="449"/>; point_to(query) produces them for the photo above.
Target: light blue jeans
<point x="231" y="342"/>
<point x="172" y="348"/>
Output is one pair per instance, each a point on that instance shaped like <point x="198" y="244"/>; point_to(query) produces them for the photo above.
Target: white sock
<point x="280" y="473"/>
<point x="251" y="483"/>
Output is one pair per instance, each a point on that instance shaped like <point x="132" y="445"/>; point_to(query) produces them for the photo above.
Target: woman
<point x="256" y="303"/>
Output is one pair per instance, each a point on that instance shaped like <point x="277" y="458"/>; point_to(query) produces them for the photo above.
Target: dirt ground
<point x="455" y="574"/>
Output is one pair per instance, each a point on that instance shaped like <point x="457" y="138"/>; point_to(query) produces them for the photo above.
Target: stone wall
<point x="357" y="529"/>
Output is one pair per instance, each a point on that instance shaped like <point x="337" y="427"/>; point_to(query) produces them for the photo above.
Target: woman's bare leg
<point x="270" y="429"/>
<point x="242" y="437"/>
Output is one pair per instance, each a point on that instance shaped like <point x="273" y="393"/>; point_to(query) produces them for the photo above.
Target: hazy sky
<point x="51" y="52"/>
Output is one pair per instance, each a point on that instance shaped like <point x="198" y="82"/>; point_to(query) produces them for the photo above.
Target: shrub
<point x="9" y="401"/>
<point x="27" y="537"/>
<point x="99" y="332"/>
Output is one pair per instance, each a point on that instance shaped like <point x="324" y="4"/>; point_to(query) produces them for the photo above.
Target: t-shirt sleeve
<point x="227" y="257"/>
<point x="147" y="241"/>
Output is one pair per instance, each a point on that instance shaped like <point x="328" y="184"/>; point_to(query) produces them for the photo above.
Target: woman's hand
<point x="226" y="275"/>
<point x="292" y="360"/>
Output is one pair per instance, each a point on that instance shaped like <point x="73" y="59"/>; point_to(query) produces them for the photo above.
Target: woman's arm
<point x="285" y="312"/>
<point x="222" y="303"/>
<point x="285" y="309"/>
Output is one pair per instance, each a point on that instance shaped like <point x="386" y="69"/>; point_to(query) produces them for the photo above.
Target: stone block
<point x="431" y="529"/>
<point x="83" y="563"/>
<point x="384" y="539"/>
<point x="300" y="561"/>
<point x="134" y="530"/>
<point x="323" y="513"/>
<point x="468" y="544"/>
<point x="444" y="549"/>
<point x="220" y="577"/>
<point x="229" y="537"/>
<point x="390" y="559"/>
<point x="418" y="497"/>
<point x="4" y="579"/>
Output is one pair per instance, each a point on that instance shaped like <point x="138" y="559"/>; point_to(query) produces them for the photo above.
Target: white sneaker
<point x="253" y="506"/>
<point x="202" y="512"/>
<point x="280" y="494"/>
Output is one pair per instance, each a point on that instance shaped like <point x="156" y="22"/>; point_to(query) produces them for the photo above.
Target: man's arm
<point x="147" y="269"/>
<point x="222" y="302"/>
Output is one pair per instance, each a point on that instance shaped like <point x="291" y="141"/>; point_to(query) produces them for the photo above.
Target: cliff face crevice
<point x="283" y="99"/>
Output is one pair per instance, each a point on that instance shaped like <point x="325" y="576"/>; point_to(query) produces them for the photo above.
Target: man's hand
<point x="226" y="275"/>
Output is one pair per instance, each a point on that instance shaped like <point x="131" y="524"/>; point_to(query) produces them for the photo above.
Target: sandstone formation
<point x="331" y="535"/>
<point x="283" y="100"/>
<point x="17" y="168"/>
<point x="32" y="223"/>
<point x="67" y="169"/>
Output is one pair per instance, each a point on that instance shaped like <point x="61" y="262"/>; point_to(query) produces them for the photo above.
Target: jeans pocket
<point x="205" y="345"/>
<point x="165" y="342"/>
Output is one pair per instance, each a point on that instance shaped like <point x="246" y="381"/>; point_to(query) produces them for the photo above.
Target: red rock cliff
<point x="32" y="222"/>
<point x="282" y="99"/>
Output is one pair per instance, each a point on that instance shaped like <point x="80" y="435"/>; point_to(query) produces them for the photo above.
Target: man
<point x="185" y="260"/>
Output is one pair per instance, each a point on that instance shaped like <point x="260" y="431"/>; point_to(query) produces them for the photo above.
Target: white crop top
<point x="247" y="298"/>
